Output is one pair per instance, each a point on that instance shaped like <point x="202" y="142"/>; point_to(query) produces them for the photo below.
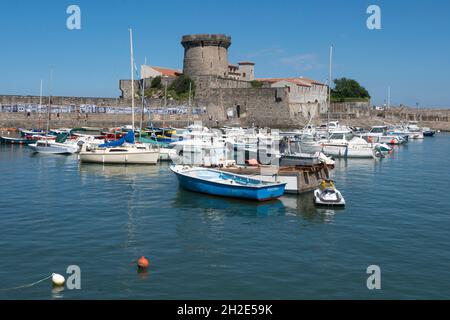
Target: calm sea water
<point x="55" y="212"/>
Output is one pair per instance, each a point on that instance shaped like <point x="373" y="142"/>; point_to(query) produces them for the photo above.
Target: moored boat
<point x="328" y="195"/>
<point x="17" y="140"/>
<point x="50" y="147"/>
<point x="122" y="151"/>
<point x="219" y="183"/>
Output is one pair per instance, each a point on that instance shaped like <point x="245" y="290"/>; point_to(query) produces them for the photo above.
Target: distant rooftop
<point x="301" y="81"/>
<point x="167" y="72"/>
<point x="246" y="63"/>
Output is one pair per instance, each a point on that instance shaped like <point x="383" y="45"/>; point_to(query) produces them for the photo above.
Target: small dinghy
<point x="328" y="195"/>
<point x="219" y="183"/>
<point x="25" y="140"/>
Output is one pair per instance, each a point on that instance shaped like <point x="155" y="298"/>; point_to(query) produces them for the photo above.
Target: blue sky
<point x="284" y="38"/>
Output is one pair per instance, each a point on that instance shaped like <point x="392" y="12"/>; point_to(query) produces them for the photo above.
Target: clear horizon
<point x="284" y="39"/>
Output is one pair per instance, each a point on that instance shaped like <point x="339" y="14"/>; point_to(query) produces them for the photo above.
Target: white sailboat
<point x="125" y="150"/>
<point x="49" y="146"/>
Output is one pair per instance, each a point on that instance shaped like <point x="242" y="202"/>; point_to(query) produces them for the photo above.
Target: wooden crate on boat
<point x="298" y="179"/>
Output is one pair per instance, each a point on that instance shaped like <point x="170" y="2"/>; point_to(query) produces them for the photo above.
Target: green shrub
<point x="256" y="84"/>
<point x="156" y="83"/>
<point x="181" y="85"/>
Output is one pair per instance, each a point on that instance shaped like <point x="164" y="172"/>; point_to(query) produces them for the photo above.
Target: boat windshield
<point x="377" y="130"/>
<point x="341" y="136"/>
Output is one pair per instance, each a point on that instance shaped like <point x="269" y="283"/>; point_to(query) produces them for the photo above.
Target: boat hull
<point x="429" y="133"/>
<point x="53" y="149"/>
<point x="263" y="193"/>
<point x="319" y="200"/>
<point x="299" y="159"/>
<point x="17" y="140"/>
<point x="347" y="152"/>
<point x="103" y="156"/>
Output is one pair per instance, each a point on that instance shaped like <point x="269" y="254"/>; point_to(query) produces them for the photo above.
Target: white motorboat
<point x="380" y="134"/>
<point x="411" y="131"/>
<point x="58" y="146"/>
<point x="328" y="195"/>
<point x="206" y="152"/>
<point x="52" y="147"/>
<point x="309" y="145"/>
<point x="165" y="154"/>
<point x="342" y="144"/>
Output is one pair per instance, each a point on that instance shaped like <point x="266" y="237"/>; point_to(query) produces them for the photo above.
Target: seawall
<point x="262" y="107"/>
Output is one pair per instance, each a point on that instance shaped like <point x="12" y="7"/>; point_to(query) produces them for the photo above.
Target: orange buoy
<point x="143" y="263"/>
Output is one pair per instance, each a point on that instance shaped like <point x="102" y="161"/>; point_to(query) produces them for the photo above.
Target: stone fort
<point x="230" y="93"/>
<point x="225" y="94"/>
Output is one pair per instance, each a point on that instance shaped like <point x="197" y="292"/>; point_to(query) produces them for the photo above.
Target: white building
<point x="152" y="72"/>
<point x="306" y="96"/>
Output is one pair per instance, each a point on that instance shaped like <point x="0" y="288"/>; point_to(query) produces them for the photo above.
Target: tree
<point x="156" y="82"/>
<point x="181" y="85"/>
<point x="256" y="84"/>
<point x="348" y="89"/>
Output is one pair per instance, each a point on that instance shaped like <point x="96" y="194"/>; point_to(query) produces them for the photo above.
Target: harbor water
<point x="56" y="212"/>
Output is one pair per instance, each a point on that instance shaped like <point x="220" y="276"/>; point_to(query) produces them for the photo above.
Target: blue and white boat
<point x="219" y="183"/>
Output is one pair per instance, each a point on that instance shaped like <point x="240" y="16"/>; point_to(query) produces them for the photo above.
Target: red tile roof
<point x="167" y="72"/>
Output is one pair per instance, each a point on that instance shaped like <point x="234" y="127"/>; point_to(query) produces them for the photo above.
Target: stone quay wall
<point x="215" y="107"/>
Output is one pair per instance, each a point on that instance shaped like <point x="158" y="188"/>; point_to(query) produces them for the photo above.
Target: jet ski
<point x="328" y="195"/>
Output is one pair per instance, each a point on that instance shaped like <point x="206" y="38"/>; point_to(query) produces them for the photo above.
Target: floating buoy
<point x="143" y="263"/>
<point x="57" y="279"/>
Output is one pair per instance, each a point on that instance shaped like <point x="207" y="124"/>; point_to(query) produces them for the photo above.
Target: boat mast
<point x="389" y="98"/>
<point x="40" y="107"/>
<point x="165" y="105"/>
<point x="49" y="100"/>
<point x="189" y="104"/>
<point x="143" y="102"/>
<point x="132" y="78"/>
<point x="329" y="92"/>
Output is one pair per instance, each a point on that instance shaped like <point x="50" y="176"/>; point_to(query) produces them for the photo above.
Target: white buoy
<point x="57" y="279"/>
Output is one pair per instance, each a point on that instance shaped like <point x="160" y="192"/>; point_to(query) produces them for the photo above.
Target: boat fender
<point x="57" y="279"/>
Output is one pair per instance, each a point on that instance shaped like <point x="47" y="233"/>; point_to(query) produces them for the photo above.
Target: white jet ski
<point x="328" y="195"/>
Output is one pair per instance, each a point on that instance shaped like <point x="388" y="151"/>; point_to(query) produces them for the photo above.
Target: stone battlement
<point x="194" y="40"/>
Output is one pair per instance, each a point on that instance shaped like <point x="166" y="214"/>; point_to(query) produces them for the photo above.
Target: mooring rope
<point x="27" y="285"/>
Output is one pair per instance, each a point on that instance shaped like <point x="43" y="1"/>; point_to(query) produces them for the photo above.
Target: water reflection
<point x="57" y="292"/>
<point x="131" y="172"/>
<point x="303" y="206"/>
<point x="214" y="206"/>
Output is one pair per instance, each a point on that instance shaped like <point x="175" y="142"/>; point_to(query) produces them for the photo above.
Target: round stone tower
<point x="205" y="54"/>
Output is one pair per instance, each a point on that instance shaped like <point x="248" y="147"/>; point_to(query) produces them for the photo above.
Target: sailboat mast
<point x="49" y="100"/>
<point x="132" y="78"/>
<point x="389" y="98"/>
<point x="40" y="107"/>
<point x="189" y="105"/>
<point x="143" y="98"/>
<point x="329" y="91"/>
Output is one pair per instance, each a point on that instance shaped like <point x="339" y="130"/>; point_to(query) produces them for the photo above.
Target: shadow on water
<point x="303" y="206"/>
<point x="229" y="206"/>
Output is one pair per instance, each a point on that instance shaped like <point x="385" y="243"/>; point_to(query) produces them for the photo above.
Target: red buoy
<point x="143" y="263"/>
